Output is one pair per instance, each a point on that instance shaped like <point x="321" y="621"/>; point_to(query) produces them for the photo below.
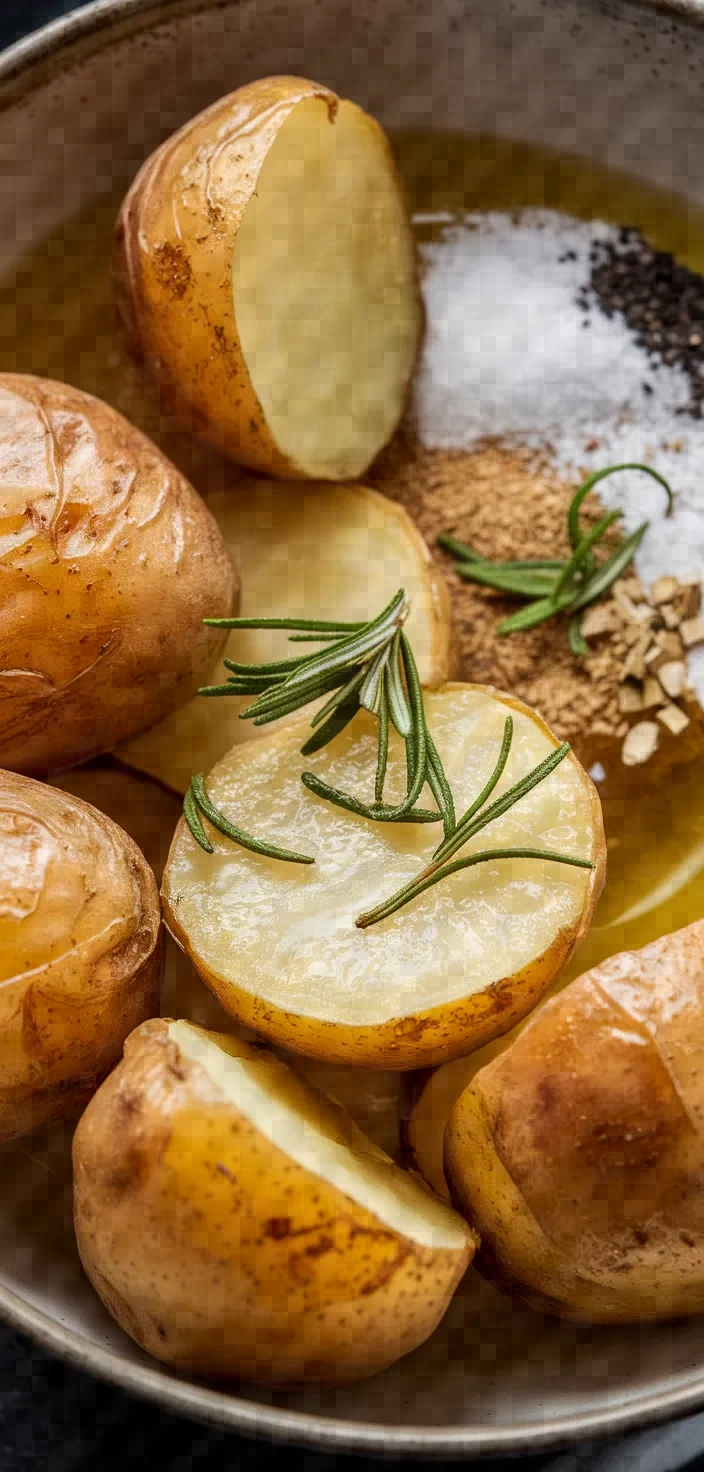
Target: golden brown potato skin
<point x="219" y="1254"/>
<point x="578" y="1153"/>
<point x="174" y="244"/>
<point x="81" y="951"/>
<point x="109" y="561"/>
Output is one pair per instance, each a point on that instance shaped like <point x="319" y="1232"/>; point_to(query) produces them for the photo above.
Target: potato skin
<point x="109" y="561"/>
<point x="429" y="1037"/>
<point x="220" y="1255"/>
<point x="174" y="242"/>
<point x="578" y="1154"/>
<point x="81" y="951"/>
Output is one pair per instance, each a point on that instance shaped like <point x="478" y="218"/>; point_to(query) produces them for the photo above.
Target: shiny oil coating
<point x="175" y="240"/>
<point x="221" y="1254"/>
<point x="109" y="561"/>
<point x="578" y="1153"/>
<point x="459" y="964"/>
<point x="80" y="950"/>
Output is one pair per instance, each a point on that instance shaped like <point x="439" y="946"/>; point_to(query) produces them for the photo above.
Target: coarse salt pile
<point x="510" y="352"/>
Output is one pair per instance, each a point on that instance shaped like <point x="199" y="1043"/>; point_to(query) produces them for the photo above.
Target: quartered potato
<point x="318" y="553"/>
<point x="81" y="951"/>
<point x="277" y="942"/>
<point x="236" y="1222"/>
<point x="578" y="1155"/>
<point x="109" y="561"/>
<point x="266" y="268"/>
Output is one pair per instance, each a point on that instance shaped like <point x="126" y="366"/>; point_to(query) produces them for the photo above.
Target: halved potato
<point x="266" y="268"/>
<point x="236" y="1222"/>
<point x="578" y="1153"/>
<point x="81" y="951"/>
<point x="277" y="943"/>
<point x="109" y="562"/>
<point x="321" y="553"/>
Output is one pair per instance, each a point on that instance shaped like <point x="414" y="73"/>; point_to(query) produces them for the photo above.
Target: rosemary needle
<point x="197" y="801"/>
<point x="366" y="666"/>
<point x="552" y="586"/>
<point x="442" y="864"/>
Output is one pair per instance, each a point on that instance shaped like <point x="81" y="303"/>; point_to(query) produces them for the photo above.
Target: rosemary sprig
<point x="550" y="586"/>
<point x="477" y="817"/>
<point x="366" y="666"/>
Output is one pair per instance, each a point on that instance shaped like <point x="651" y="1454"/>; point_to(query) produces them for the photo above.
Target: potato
<point x="277" y="942"/>
<point x="109" y="562"/>
<point x="266" y="269"/>
<point x="427" y="1099"/>
<point x="81" y="951"/>
<point x="237" y="1223"/>
<point x="578" y="1153"/>
<point x="324" y="552"/>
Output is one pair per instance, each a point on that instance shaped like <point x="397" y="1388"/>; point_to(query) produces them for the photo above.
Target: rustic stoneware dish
<point x="81" y="104"/>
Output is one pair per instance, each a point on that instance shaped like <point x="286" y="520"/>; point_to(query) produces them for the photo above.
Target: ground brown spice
<point x="508" y="504"/>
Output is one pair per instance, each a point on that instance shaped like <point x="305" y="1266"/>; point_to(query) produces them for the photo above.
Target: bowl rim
<point x="25" y="66"/>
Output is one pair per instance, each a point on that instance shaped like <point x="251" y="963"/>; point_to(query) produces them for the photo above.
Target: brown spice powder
<point x="508" y="504"/>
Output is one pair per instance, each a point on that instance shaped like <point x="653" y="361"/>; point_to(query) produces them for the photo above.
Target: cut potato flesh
<point x="324" y="290"/>
<point x="463" y="963"/>
<point x="317" y="553"/>
<point x="318" y="1136"/>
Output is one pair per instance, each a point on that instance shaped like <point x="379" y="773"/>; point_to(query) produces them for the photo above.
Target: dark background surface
<point x="57" y="1420"/>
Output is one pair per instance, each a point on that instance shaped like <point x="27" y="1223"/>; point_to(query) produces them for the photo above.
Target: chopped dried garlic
<point x="674" y="718"/>
<point x="640" y="744"/>
<point x="673" y="677"/>
<point x="692" y="631"/>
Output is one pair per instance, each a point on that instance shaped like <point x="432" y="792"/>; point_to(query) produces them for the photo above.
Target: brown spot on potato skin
<point x="173" y="268"/>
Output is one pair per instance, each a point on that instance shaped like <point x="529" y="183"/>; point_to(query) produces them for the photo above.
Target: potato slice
<point x="578" y="1152"/>
<point x="266" y="262"/>
<point x="235" y="1222"/>
<point x="320" y="553"/>
<point x="277" y="942"/>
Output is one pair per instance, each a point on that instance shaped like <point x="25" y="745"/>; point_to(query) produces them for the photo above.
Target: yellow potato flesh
<point x="323" y="281"/>
<point x="317" y="553"/>
<point x="235" y="1222"/>
<point x="320" y="1138"/>
<point x="284" y="936"/>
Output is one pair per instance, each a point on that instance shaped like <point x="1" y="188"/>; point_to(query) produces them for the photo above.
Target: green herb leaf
<point x="412" y="891"/>
<point x="197" y="801"/>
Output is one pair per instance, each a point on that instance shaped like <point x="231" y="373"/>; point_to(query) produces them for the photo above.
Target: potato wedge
<point x="109" y="561"/>
<point x="81" y="951"/>
<point x="235" y="1222"/>
<point x="322" y="553"/>
<point x="277" y="942"/>
<point x="266" y="268"/>
<point x="578" y="1152"/>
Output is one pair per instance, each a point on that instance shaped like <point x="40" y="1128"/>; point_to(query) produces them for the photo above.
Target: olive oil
<point x="57" y="320"/>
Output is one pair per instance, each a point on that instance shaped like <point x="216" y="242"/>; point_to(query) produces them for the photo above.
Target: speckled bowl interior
<point x="81" y="105"/>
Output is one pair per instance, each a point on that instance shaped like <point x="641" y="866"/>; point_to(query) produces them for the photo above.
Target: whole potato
<point x="81" y="950"/>
<point x="109" y="561"/>
<point x="236" y="1222"/>
<point x="265" y="268"/>
<point x="578" y="1153"/>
